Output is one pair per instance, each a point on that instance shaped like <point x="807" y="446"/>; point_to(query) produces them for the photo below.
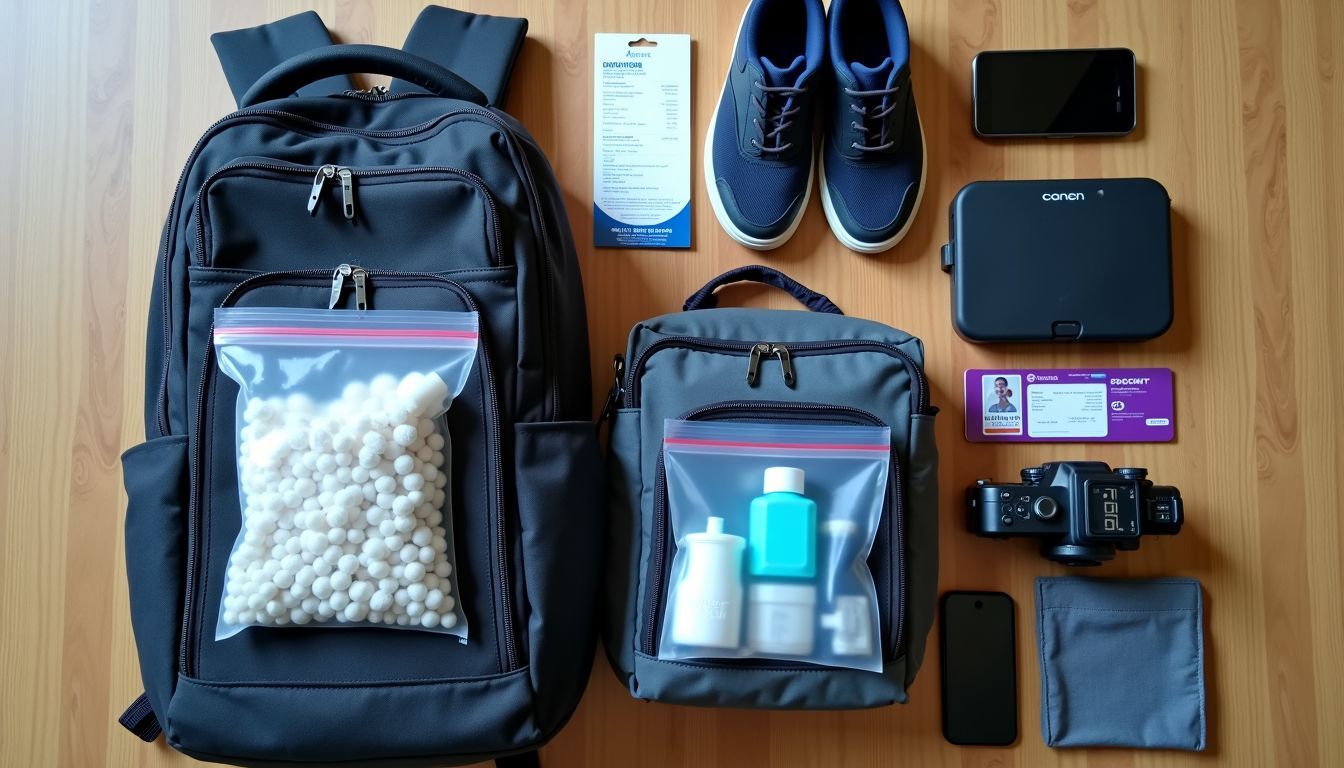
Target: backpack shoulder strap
<point x="247" y="54"/>
<point x="479" y="48"/>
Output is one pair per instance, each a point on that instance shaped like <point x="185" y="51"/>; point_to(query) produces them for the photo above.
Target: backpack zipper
<point x="509" y="640"/>
<point x="919" y="393"/>
<point x="894" y="499"/>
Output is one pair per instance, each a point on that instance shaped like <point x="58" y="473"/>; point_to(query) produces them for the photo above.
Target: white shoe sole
<point x="861" y="246"/>
<point x="712" y="187"/>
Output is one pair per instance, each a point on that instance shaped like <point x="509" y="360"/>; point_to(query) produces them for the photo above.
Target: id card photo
<point x="1002" y="397"/>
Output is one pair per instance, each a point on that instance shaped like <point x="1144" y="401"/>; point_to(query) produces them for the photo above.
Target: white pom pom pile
<point x="341" y="509"/>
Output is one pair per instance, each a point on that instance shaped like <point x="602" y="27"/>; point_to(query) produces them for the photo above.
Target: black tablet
<point x="1061" y="260"/>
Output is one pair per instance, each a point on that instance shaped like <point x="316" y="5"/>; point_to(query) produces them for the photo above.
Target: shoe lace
<point x="776" y="107"/>
<point x="873" y="108"/>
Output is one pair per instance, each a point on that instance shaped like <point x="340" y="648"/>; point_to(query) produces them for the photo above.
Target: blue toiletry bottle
<point x="783" y="529"/>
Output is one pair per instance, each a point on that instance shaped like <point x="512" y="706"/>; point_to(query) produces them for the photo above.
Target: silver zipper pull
<point x="338" y="284"/>
<point x="754" y="362"/>
<point x="361" y="296"/>
<point x="319" y="182"/>
<point x="347" y="191"/>
<point x="785" y="362"/>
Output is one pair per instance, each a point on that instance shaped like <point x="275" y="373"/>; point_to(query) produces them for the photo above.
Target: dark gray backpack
<point x="693" y="365"/>
<point x="449" y="205"/>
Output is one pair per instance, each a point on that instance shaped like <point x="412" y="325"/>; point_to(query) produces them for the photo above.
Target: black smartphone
<point x="1055" y="93"/>
<point x="979" y="652"/>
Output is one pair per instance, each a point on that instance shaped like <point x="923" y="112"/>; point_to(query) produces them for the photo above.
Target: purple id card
<point x="1070" y="405"/>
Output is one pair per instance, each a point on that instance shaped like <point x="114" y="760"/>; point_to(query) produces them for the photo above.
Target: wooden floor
<point x="1242" y="117"/>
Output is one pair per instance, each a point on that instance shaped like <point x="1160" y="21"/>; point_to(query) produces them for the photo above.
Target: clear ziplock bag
<point x="343" y="466"/>
<point x="773" y="525"/>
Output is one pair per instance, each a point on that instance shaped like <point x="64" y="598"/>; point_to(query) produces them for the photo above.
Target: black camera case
<point x="1061" y="260"/>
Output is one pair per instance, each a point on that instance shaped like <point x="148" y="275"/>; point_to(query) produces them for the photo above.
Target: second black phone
<point x="979" y="650"/>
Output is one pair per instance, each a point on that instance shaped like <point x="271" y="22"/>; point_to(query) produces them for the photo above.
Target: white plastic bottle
<point x="707" y="611"/>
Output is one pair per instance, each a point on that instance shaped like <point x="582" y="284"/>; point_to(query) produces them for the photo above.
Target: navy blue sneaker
<point x="759" y="153"/>
<point x="872" y="156"/>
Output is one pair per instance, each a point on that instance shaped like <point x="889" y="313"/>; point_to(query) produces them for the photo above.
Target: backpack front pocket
<point x="262" y="214"/>
<point x="263" y="654"/>
<point x="781" y="577"/>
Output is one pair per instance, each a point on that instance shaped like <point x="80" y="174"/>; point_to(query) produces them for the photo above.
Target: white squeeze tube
<point x="708" y="606"/>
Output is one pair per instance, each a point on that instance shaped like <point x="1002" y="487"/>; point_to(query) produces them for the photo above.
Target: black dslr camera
<point x="1082" y="510"/>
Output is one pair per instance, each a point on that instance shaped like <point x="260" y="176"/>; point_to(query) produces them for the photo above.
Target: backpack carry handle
<point x="758" y="273"/>
<point x="288" y="76"/>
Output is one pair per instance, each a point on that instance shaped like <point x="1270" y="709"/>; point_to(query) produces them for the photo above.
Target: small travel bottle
<point x="708" y="610"/>
<point x="783" y="535"/>
<point x="784" y="527"/>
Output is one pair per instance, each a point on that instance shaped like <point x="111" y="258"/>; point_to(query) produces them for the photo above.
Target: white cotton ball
<point x="388" y="585"/>
<point x="413" y="481"/>
<point x="348" y="564"/>
<point x="403" y="621"/>
<point x="337" y="536"/>
<point x="429" y="620"/>
<point x="434" y="600"/>
<point x="402" y="506"/>
<point x="380" y="601"/>
<point x="341" y="580"/>
<point x="387" y="528"/>
<point x="321" y="567"/>
<point x="447" y="620"/>
<point x="284" y="579"/>
<point x="305" y="577"/>
<point x="422" y="537"/>
<point x="369" y="490"/>
<point x="368" y="458"/>
<point x="325" y="610"/>
<point x="361" y="591"/>
<point x="326" y="463"/>
<point x="427" y="555"/>
<point x="342" y="442"/>
<point x="409" y="554"/>
<point x="417" y="592"/>
<point x="382" y="384"/>
<point x="404" y="464"/>
<point x="379" y="569"/>
<point x="300" y="616"/>
<point x="404" y="434"/>
<point x="374" y="441"/>
<point x="401" y="597"/>
<point x="356" y="611"/>
<point x="385" y="484"/>
<point x="337" y="516"/>
<point x="394" y="543"/>
<point x="319" y="440"/>
<point x="415" y="608"/>
<point x="275" y="608"/>
<point x="359" y="474"/>
<point x="375" y="549"/>
<point x="443" y="569"/>
<point x="322" y="587"/>
<point x="339" y="600"/>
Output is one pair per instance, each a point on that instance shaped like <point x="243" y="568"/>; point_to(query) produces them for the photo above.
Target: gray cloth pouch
<point x="1122" y="662"/>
